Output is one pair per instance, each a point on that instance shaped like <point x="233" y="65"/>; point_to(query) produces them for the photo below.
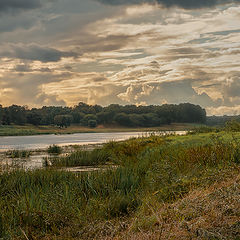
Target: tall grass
<point x="50" y="203"/>
<point x="18" y="153"/>
<point x="82" y="158"/>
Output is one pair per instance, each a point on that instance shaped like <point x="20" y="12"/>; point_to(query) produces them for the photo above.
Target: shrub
<point x="54" y="149"/>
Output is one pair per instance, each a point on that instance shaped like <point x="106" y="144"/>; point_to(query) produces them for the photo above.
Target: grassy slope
<point x="177" y="187"/>
<point x="210" y="213"/>
<point x="35" y="130"/>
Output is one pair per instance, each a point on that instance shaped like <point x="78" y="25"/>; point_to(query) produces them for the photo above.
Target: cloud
<point x="231" y="87"/>
<point x="25" y="68"/>
<point x="166" y="92"/>
<point x="223" y="110"/>
<point x="35" y="52"/>
<point x="22" y="68"/>
<point x="19" y="4"/>
<point x="186" y="4"/>
<point x="27" y="89"/>
<point x="49" y="100"/>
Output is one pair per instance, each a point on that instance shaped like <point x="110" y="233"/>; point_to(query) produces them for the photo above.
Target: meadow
<point x="164" y="187"/>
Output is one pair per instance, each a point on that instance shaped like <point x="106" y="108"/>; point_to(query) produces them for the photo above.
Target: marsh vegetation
<point x="162" y="187"/>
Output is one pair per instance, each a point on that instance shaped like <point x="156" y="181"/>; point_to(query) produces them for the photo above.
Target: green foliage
<point x="47" y="202"/>
<point x="54" y="149"/>
<point x="232" y="126"/>
<point x="129" y="115"/>
<point x="204" y="129"/>
<point x="88" y="118"/>
<point x="92" y="123"/>
<point x="63" y="120"/>
<point x="18" y="153"/>
<point x="82" y="158"/>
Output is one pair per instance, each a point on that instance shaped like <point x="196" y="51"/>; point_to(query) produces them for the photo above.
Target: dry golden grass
<point x="211" y="213"/>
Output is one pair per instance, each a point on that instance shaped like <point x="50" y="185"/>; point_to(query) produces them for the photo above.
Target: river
<point x="43" y="141"/>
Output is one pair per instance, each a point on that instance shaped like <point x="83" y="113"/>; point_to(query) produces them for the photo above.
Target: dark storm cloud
<point x="187" y="4"/>
<point x="36" y="53"/>
<point x="19" y="4"/>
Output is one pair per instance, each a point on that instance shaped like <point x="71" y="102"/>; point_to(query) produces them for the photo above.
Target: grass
<point x="15" y="130"/>
<point x="82" y="158"/>
<point x="18" y="153"/>
<point x="162" y="189"/>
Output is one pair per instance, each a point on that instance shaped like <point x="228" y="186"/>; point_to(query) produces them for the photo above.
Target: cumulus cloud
<point x="35" y="52"/>
<point x="187" y="4"/>
<point x="166" y="92"/>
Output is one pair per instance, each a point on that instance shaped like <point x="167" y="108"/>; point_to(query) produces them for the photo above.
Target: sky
<point x="143" y="52"/>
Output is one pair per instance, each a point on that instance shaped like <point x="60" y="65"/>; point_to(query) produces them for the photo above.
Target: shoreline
<point x="37" y="142"/>
<point x="29" y="130"/>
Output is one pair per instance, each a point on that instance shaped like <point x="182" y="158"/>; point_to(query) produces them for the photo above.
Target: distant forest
<point x="114" y="114"/>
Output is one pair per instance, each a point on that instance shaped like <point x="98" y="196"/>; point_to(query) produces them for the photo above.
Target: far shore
<point x="27" y="130"/>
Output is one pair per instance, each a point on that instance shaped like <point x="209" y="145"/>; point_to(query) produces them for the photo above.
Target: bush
<point x="54" y="149"/>
<point x="232" y="126"/>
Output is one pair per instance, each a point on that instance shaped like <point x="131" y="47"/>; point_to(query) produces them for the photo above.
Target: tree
<point x="136" y="120"/>
<point x="92" y="123"/>
<point x="122" y="119"/>
<point x="6" y="120"/>
<point x="1" y="113"/>
<point x="77" y="116"/>
<point x="87" y="118"/>
<point x="63" y="120"/>
<point x="17" y="114"/>
<point x="129" y="115"/>
<point x="34" y="118"/>
<point x="105" y="117"/>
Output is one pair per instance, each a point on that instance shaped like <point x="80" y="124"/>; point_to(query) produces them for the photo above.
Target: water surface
<point x="43" y="141"/>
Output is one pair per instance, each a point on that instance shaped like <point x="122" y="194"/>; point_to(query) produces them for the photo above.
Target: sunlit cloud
<point x="105" y="52"/>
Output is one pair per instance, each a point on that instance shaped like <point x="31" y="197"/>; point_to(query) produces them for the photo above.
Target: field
<point x="16" y="130"/>
<point x="162" y="187"/>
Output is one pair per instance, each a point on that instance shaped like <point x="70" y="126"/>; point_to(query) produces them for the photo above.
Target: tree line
<point x="93" y="115"/>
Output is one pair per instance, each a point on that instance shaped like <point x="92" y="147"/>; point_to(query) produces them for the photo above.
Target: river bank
<point x="16" y="130"/>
